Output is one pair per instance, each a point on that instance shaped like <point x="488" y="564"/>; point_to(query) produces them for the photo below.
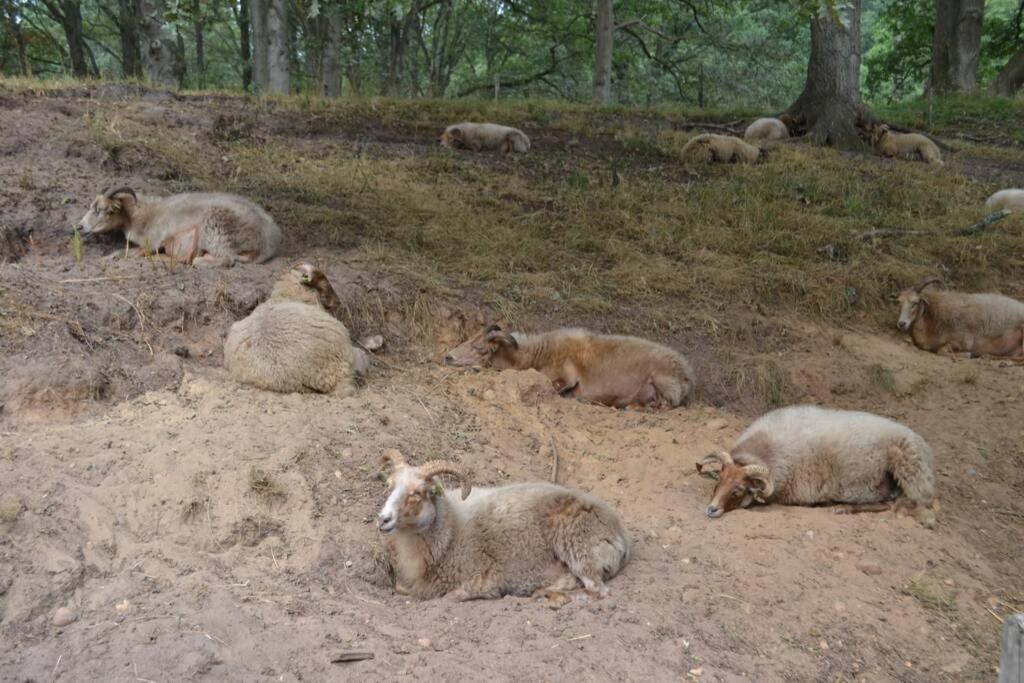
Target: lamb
<point x="481" y="136"/>
<point x="520" y="540"/>
<point x="291" y="344"/>
<point x="806" y="455"/>
<point x="199" y="228"/>
<point x="613" y="370"/>
<point x="949" y="322"/>
<point x="904" y="145"/>
<point x="721" y="148"/>
<point x="767" y="129"/>
<point x="1011" y="200"/>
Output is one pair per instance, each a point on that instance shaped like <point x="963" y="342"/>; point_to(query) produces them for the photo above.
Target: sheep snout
<point x="386" y="522"/>
<point x="714" y="511"/>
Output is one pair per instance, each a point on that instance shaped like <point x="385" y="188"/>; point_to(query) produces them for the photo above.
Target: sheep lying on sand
<point x="1011" y="200"/>
<point x="806" y="455"/>
<point x="518" y="540"/>
<point x="904" y="145"/>
<point x="201" y="228"/>
<point x="613" y="370"/>
<point x="951" y="322"/>
<point x="290" y="343"/>
<point x="485" y="136"/>
<point x="721" y="148"/>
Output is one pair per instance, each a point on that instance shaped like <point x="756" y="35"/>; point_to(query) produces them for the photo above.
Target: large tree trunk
<point x="830" y="104"/>
<point x="69" y="15"/>
<point x="332" y="56"/>
<point x="1011" y="79"/>
<point x="604" y="28"/>
<point x="198" y="24"/>
<point x="159" y="51"/>
<point x="397" y="39"/>
<point x="243" y="44"/>
<point x="258" y="10"/>
<point x="277" y="48"/>
<point x="14" y="26"/>
<point x="128" y="26"/>
<point x="955" y="45"/>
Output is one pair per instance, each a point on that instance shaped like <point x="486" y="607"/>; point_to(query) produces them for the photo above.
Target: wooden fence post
<point x="1011" y="664"/>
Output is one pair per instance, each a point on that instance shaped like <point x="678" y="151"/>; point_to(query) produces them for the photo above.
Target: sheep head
<point x="412" y="492"/>
<point x="110" y="211"/>
<point x="912" y="302"/>
<point x="738" y="485"/>
<point x="490" y="346"/>
<point x="453" y="138"/>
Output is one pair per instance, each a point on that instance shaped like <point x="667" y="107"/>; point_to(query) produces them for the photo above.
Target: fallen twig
<point x="983" y="223"/>
<point x="587" y="635"/>
<point x="882" y="232"/>
<point x="351" y="656"/>
<point x="97" y="279"/>
<point x="994" y="615"/>
<point x="1010" y="513"/>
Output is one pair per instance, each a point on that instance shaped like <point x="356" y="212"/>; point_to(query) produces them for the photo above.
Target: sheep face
<point x="412" y="493"/>
<point x="108" y="212"/>
<point x="452" y="138"/>
<point x="738" y="485"/>
<point x="488" y="348"/>
<point x="911" y="305"/>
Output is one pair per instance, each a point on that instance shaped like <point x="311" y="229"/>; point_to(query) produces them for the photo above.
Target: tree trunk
<point x="13" y="25"/>
<point x="69" y="15"/>
<point x="197" y="29"/>
<point x="396" y="54"/>
<point x="243" y="44"/>
<point x="1011" y="78"/>
<point x="955" y="45"/>
<point x="258" y="10"/>
<point x="830" y="105"/>
<point x="277" y="47"/>
<point x="332" y="57"/>
<point x="159" y="52"/>
<point x="128" y="26"/>
<point x="604" y="29"/>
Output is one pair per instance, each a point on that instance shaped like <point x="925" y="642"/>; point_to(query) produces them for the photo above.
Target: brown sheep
<point x="721" y="148"/>
<point x="904" y="145"/>
<point x="612" y="370"/>
<point x="200" y="228"/>
<point x="485" y="136"/>
<point x="950" y="322"/>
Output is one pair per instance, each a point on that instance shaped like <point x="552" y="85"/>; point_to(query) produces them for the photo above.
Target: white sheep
<point x="806" y="455"/>
<point x="904" y="145"/>
<point x="485" y="136"/>
<point x="768" y="128"/>
<point x="200" y="228"/>
<point x="523" y="539"/>
<point x="725" y="149"/>
<point x="951" y="322"/>
<point x="290" y="343"/>
<point x="1011" y="200"/>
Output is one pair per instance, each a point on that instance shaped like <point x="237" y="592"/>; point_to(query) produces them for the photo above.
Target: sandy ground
<point x="159" y="522"/>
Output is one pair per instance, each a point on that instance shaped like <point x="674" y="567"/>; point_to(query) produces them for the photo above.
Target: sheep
<point x="949" y="322"/>
<point x="806" y="455"/>
<point x="519" y="540"/>
<point x="767" y="129"/>
<point x="906" y="145"/>
<point x="481" y="136"/>
<point x="612" y="370"/>
<point x="200" y="228"/>
<point x="722" y="148"/>
<point x="1011" y="200"/>
<point x="291" y="344"/>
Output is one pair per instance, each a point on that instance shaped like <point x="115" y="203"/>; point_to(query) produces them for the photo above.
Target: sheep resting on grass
<point x="904" y="145"/>
<point x="724" y="149"/>
<point x="485" y="136"/>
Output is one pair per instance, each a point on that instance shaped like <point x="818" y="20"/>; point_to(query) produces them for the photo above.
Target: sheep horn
<point x="429" y="470"/>
<point x="762" y="473"/>
<point x="929" y="281"/>
<point x="393" y="457"/>
<point x="722" y="457"/>
<point x="112" y="193"/>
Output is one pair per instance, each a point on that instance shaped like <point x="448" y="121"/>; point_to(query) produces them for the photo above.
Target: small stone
<point x="810" y="534"/>
<point x="823" y="645"/>
<point x="425" y="643"/>
<point x="64" y="616"/>
<point x="122" y="606"/>
<point x="698" y="672"/>
<point x="337" y="474"/>
<point x="182" y="351"/>
<point x="839" y="606"/>
<point x="870" y="568"/>
<point x="489" y="395"/>
<point x="949" y="582"/>
<point x="717" y="423"/>
<point x="348" y="563"/>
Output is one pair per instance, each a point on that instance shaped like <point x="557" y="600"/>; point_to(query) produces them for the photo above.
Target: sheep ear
<point x="456" y="133"/>
<point x="500" y="337"/>
<point x="706" y="468"/>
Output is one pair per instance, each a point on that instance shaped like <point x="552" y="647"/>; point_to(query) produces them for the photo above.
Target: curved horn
<point x="761" y="473"/>
<point x="721" y="457"/>
<point x="431" y="469"/>
<point x="394" y="457"/>
<point x="929" y="281"/>
<point x="111" y="193"/>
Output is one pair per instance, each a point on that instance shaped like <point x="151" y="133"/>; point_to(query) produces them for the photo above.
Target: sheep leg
<point x="478" y="588"/>
<point x="906" y="464"/>
<point x="854" y="508"/>
<point x="211" y="261"/>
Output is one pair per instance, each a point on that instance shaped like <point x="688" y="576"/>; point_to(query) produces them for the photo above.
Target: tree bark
<point x="243" y="44"/>
<point x="277" y="48"/>
<point x="830" y="104"/>
<point x="69" y="15"/>
<point x="14" y="26"/>
<point x="128" y="27"/>
<point x="604" y="29"/>
<point x="955" y="45"/>
<point x="258" y="10"/>
<point x="332" y="56"/>
<point x="159" y="51"/>
<point x="1011" y="79"/>
<point x="198" y="25"/>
